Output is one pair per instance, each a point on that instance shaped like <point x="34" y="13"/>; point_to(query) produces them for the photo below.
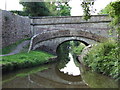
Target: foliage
<point x="22" y="13"/>
<point x="106" y="10"/>
<point x="44" y="9"/>
<point x="63" y="54"/>
<point x="86" y="5"/>
<point x="103" y="58"/>
<point x="115" y="14"/>
<point x="35" y="8"/>
<point x="52" y="8"/>
<point x="78" y="49"/>
<point x="63" y="9"/>
<point x="24" y="60"/>
<point x="113" y="9"/>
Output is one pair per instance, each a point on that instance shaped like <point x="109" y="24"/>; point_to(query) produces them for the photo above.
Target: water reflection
<point x="70" y="67"/>
<point x="66" y="73"/>
<point x="53" y="78"/>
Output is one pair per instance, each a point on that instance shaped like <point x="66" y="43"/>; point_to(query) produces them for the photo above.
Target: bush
<point x="103" y="58"/>
<point x="78" y="49"/>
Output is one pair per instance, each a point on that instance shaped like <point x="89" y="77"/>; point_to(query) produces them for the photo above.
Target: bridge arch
<point x="52" y="37"/>
<point x="75" y="39"/>
<point x="52" y="44"/>
<point x="85" y="43"/>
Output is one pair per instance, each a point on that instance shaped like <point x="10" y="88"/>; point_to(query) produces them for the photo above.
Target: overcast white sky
<point x="75" y="4"/>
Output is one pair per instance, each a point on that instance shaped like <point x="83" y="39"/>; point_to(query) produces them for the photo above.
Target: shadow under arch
<point x="85" y="43"/>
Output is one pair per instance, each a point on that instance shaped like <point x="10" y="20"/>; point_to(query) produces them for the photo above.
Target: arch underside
<point x="49" y="39"/>
<point x="52" y="44"/>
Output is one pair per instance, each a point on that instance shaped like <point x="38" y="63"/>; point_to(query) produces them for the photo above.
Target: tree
<point x="35" y="8"/>
<point x="86" y="5"/>
<point x="115" y="14"/>
<point x="113" y="9"/>
<point x="52" y="8"/>
<point x="22" y="13"/>
<point x="106" y="10"/>
<point x="63" y="9"/>
<point x="44" y="9"/>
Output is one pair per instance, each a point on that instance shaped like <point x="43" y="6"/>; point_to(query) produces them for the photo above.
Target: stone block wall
<point x="13" y="27"/>
<point x="0" y="29"/>
<point x="98" y="24"/>
<point x="69" y="19"/>
<point x="98" y="28"/>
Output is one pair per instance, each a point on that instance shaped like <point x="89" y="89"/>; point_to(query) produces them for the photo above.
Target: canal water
<point x="67" y="72"/>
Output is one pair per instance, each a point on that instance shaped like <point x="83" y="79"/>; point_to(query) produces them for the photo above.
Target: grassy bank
<point x="11" y="47"/>
<point x="103" y="58"/>
<point x="24" y="60"/>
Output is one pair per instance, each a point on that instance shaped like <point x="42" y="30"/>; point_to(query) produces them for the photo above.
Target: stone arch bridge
<point x="50" y="32"/>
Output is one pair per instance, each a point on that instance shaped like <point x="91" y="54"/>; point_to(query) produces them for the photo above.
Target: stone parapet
<point x="69" y="20"/>
<point x="98" y="24"/>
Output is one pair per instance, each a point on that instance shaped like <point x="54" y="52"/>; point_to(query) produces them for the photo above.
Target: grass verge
<point x="24" y="60"/>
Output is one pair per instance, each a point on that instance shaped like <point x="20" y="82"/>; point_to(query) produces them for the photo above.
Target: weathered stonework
<point x="39" y="38"/>
<point x="14" y="28"/>
<point x="0" y="30"/>
<point x="98" y="24"/>
<point x="47" y="30"/>
<point x="52" y="44"/>
<point x="44" y="29"/>
<point x="69" y="20"/>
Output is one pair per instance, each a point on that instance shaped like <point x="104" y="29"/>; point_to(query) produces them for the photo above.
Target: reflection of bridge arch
<point x="48" y="38"/>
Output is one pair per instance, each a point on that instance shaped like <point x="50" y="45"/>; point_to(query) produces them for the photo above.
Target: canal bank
<point x="25" y="60"/>
<point x="51" y="76"/>
<point x="16" y="56"/>
<point x="67" y="72"/>
<point x="102" y="58"/>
